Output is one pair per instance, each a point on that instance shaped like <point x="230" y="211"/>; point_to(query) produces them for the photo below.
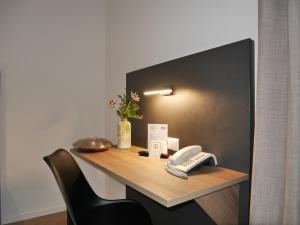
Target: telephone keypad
<point x="186" y="163"/>
<point x="190" y="161"/>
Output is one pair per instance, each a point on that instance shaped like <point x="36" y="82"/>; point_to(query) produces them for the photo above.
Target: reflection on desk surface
<point x="148" y="176"/>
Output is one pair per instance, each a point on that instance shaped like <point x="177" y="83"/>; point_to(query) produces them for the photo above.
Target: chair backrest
<point x="69" y="178"/>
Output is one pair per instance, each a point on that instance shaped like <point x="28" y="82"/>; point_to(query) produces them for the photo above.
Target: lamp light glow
<point x="159" y="92"/>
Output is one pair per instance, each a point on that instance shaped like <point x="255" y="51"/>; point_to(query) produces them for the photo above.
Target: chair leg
<point x="69" y="220"/>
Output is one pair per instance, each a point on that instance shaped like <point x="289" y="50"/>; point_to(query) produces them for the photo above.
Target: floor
<point x="53" y="219"/>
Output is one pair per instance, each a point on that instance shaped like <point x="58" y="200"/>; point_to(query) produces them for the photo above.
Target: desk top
<point x="148" y="176"/>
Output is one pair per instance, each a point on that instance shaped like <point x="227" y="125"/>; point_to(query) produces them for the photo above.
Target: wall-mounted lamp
<point x="167" y="91"/>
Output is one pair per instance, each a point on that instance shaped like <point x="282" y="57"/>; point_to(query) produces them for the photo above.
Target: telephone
<point x="188" y="158"/>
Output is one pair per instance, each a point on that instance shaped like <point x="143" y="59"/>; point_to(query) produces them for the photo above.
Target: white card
<point x="157" y="139"/>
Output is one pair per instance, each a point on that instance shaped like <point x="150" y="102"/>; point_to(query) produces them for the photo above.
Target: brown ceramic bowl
<point x="93" y="144"/>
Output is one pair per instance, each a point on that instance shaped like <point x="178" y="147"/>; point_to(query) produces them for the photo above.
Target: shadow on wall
<point x="2" y="142"/>
<point x="5" y="195"/>
<point x="9" y="199"/>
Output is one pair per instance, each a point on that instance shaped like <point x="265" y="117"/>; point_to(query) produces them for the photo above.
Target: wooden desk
<point x="148" y="176"/>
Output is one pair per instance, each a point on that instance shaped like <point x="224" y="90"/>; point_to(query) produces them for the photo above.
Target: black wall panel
<point x="212" y="104"/>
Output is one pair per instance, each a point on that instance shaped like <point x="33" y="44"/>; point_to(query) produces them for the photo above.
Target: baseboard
<point x="32" y="214"/>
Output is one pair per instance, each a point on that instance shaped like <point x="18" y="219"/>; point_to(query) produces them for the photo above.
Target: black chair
<point x="84" y="207"/>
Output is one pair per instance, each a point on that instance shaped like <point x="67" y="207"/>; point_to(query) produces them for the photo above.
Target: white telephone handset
<point x="185" y="153"/>
<point x="187" y="158"/>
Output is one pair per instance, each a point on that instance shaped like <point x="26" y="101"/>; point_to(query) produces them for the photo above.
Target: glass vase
<point x="124" y="134"/>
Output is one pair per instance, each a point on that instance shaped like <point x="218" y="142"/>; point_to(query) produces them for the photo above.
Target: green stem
<point x="128" y="105"/>
<point x="120" y="113"/>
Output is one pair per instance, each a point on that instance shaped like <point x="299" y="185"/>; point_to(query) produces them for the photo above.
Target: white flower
<point x="135" y="97"/>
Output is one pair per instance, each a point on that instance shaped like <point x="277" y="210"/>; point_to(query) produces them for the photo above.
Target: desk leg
<point x="222" y="206"/>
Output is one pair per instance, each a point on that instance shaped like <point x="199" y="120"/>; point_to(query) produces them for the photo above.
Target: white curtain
<point x="275" y="197"/>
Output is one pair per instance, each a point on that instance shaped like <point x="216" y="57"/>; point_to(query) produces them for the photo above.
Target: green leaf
<point x="128" y="108"/>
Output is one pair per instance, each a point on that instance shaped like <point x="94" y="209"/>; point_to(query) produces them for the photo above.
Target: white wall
<point x="142" y="33"/>
<point x="52" y="54"/>
<point x="62" y="60"/>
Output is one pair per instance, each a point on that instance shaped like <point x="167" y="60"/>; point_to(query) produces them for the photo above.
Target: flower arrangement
<point x="128" y="106"/>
